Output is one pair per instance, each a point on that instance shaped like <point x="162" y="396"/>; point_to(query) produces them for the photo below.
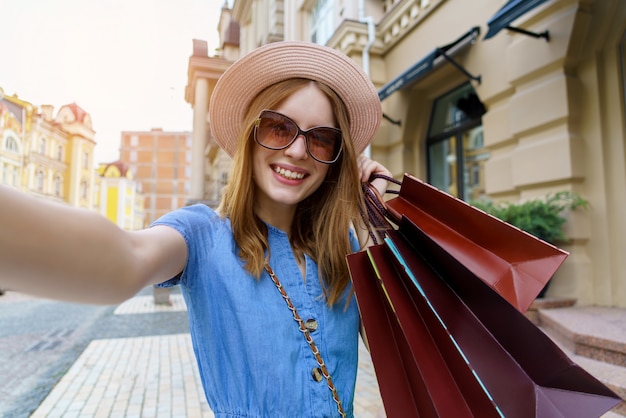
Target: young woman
<point x="273" y="320"/>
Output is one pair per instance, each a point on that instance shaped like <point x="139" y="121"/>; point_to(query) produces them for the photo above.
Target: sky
<point x="123" y="61"/>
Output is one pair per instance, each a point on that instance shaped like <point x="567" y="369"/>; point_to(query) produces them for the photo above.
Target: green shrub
<point x="539" y="217"/>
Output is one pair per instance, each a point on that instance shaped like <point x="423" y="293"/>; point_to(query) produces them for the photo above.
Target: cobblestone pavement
<point x="134" y="359"/>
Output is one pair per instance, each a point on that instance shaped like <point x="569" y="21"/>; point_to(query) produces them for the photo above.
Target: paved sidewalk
<point x="156" y="376"/>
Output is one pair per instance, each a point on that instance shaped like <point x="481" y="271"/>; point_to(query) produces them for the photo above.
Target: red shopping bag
<point x="516" y="264"/>
<point x="446" y="343"/>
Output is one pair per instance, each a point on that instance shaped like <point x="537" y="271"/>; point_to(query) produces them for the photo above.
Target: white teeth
<point x="288" y="173"/>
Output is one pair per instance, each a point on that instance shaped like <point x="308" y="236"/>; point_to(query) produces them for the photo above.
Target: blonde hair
<point x="322" y="221"/>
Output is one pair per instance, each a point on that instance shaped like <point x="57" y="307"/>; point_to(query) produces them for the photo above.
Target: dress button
<point x="317" y="374"/>
<point x="311" y="325"/>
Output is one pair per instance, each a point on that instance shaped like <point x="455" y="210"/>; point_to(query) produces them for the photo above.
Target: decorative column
<point x="199" y="135"/>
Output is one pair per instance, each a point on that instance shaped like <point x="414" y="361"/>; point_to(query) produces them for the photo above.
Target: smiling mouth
<point x="292" y="175"/>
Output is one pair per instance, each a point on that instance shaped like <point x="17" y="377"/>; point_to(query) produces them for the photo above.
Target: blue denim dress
<point x="253" y="360"/>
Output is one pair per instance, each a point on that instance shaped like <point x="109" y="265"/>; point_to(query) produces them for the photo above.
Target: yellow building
<point x="12" y="145"/>
<point x="76" y="123"/>
<point x="118" y="197"/>
<point x="46" y="163"/>
<point x="509" y="99"/>
<point x="49" y="157"/>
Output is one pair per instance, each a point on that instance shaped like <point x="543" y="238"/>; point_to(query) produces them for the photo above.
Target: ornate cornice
<point x="351" y="36"/>
<point x="203" y="67"/>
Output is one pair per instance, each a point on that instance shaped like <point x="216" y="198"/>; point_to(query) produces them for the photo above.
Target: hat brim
<point x="279" y="61"/>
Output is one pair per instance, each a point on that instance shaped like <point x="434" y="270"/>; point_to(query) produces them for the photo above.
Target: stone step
<point x="594" y="338"/>
<point x="595" y="332"/>
<point x="547" y="303"/>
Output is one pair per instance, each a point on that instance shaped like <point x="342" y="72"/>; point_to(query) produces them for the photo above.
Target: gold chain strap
<point x="308" y="338"/>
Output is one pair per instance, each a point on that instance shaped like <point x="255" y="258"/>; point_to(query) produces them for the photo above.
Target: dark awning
<point x="426" y="64"/>
<point x="508" y="13"/>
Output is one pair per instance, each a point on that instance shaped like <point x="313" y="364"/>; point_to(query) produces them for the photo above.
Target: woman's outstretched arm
<point x="60" y="252"/>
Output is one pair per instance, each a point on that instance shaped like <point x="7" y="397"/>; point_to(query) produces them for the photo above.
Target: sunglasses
<point x="276" y="131"/>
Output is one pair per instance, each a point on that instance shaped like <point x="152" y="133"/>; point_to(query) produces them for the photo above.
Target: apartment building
<point x="49" y="156"/>
<point x="161" y="164"/>
<point x="507" y="99"/>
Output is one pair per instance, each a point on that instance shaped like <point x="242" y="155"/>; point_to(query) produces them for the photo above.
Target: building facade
<point x="161" y="164"/>
<point x="45" y="155"/>
<point x="512" y="100"/>
<point x="118" y="197"/>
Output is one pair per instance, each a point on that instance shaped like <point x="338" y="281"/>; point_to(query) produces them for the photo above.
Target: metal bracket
<point x="545" y="34"/>
<point x="395" y="122"/>
<point x="462" y="69"/>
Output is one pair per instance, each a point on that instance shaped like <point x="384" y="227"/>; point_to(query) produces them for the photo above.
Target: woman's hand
<point x="367" y="167"/>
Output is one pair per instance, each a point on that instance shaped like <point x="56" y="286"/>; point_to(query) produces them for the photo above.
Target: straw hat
<point x="279" y="61"/>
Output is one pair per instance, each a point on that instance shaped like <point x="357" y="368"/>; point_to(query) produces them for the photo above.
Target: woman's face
<point x="286" y="177"/>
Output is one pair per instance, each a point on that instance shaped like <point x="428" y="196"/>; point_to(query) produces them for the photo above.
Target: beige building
<point x="161" y="165"/>
<point x="508" y="99"/>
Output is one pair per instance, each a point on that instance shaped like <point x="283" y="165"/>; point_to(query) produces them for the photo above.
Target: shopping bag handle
<point x="377" y="217"/>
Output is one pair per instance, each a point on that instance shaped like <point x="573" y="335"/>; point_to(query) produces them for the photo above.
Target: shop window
<point x="322" y="21"/>
<point x="456" y="153"/>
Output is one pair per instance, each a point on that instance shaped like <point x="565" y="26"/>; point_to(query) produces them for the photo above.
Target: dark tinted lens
<point x="324" y="143"/>
<point x="275" y="131"/>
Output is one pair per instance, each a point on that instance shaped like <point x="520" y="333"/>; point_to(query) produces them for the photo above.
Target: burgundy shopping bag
<point x="400" y="385"/>
<point x="516" y="264"/>
<point x="515" y="369"/>
<point x="418" y="377"/>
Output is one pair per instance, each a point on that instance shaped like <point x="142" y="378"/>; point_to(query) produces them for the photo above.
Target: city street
<point x="41" y="339"/>
<point x="135" y="359"/>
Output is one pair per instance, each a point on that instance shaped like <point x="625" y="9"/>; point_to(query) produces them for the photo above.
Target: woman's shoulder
<point x="193" y="218"/>
<point x="195" y="211"/>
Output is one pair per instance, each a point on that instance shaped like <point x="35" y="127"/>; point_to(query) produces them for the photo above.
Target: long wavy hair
<point x="322" y="221"/>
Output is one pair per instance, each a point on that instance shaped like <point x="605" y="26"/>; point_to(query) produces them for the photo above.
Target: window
<point x="456" y="154"/>
<point x="11" y="145"/>
<point x="60" y="152"/>
<point x="57" y="185"/>
<point x="39" y="179"/>
<point x="83" y="189"/>
<point x="322" y="21"/>
<point x="42" y="146"/>
<point x="86" y="160"/>
<point x="134" y="140"/>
